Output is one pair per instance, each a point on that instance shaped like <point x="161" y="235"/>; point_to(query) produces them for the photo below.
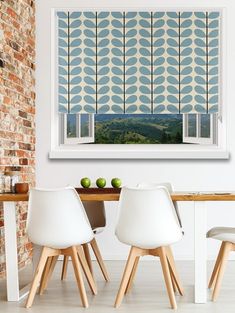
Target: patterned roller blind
<point x="138" y="62"/>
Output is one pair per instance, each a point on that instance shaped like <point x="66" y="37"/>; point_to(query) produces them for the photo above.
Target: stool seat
<point x="222" y="233"/>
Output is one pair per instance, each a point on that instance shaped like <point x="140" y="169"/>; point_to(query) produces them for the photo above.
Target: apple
<point x="116" y="182"/>
<point x="100" y="182"/>
<point x="85" y="182"/>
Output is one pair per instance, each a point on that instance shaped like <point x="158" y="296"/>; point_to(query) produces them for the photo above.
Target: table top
<point x="112" y="194"/>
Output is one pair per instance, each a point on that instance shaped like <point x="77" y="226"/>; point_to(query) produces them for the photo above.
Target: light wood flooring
<point x="148" y="294"/>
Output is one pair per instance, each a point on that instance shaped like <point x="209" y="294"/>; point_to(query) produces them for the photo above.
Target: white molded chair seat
<point x="148" y="223"/>
<point x="57" y="221"/>
<point x="222" y="233"/>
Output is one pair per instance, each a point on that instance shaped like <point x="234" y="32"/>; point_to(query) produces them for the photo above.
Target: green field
<point x="138" y="129"/>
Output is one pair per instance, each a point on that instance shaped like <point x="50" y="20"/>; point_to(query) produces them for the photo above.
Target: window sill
<point x="138" y="152"/>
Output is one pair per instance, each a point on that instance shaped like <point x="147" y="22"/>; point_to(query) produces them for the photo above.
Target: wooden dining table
<point x="199" y="199"/>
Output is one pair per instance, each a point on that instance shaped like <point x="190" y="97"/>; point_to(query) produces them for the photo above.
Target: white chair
<point x="170" y="189"/>
<point x="148" y="223"/>
<point x="227" y="236"/>
<point x="57" y="222"/>
<point x="95" y="211"/>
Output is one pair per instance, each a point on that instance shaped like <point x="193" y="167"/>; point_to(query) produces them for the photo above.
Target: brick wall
<point x="17" y="107"/>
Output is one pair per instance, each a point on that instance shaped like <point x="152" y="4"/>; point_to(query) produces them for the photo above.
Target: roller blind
<point x="138" y="62"/>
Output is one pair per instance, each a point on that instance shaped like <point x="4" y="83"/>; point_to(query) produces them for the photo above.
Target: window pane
<point x="192" y="125"/>
<point x="85" y="125"/>
<point x="205" y="125"/>
<point x="71" y="126"/>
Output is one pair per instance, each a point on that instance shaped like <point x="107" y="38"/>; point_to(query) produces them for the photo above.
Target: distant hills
<point x="138" y="129"/>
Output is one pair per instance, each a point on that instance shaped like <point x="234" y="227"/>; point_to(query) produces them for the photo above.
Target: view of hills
<point x="138" y="129"/>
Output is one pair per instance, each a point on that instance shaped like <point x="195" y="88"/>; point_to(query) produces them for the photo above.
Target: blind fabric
<point x="138" y="62"/>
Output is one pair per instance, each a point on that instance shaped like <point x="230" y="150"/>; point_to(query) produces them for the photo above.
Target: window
<point x="139" y="129"/>
<point x="200" y="128"/>
<point x="77" y="128"/>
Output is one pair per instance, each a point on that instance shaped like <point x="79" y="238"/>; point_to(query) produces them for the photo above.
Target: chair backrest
<point x="170" y="189"/>
<point x="95" y="211"/>
<point x="147" y="217"/>
<point x="57" y="219"/>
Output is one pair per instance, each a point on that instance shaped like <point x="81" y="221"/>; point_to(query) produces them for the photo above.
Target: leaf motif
<point x="200" y="99"/>
<point x="172" y="33"/>
<point x="76" y="99"/>
<point x="89" y="15"/>
<point x="200" y="70"/>
<point x="75" y="43"/>
<point x="62" y="71"/>
<point x="186" y="80"/>
<point x="145" y="61"/>
<point x="103" y="61"/>
<point x="75" y="90"/>
<point x="200" y="61"/>
<point x="131" y="99"/>
<point x="145" y="52"/>
<point x="145" y="80"/>
<point x="103" y="80"/>
<point x="145" y="99"/>
<point x="173" y="90"/>
<point x="62" y="80"/>
<point x="76" y="23"/>
<point x="159" y="80"/>
<point x="89" y="33"/>
<point x="159" y="42"/>
<point x="172" y="80"/>
<point x="131" y="71"/>
<point x="89" y="70"/>
<point x="75" y="61"/>
<point x="200" y="33"/>
<point x="213" y="24"/>
<point x="117" y="61"/>
<point x="117" y="33"/>
<point x="89" y="90"/>
<point x="172" y="51"/>
<point x="63" y="90"/>
<point x="172" y="23"/>
<point x="89" y="80"/>
<point x="172" y="61"/>
<point x="89" y="24"/>
<point x="131" y="109"/>
<point x="62" y="24"/>
<point x="63" y="43"/>
<point x="117" y="43"/>
<point x="117" y="99"/>
<point x="186" y="90"/>
<point x="62" y="34"/>
<point x="200" y="52"/>
<point x="200" y="80"/>
<point x="131" y="42"/>
<point x="117" y="80"/>
<point x="131" y="61"/>
<point x="89" y="52"/>
<point x="172" y="42"/>
<point x="186" y="52"/>
<point x="117" y="24"/>
<point x="131" y="23"/>
<point x="76" y="71"/>
<point x="187" y="70"/>
<point x="75" y="52"/>
<point x="76" y="80"/>
<point x="75" y="33"/>
<point x="144" y="42"/>
<point x="89" y="109"/>
<point x="144" y="71"/>
<point x="117" y="71"/>
<point x="200" y="24"/>
<point x="131" y="52"/>
<point x="105" y="51"/>
<point x="159" y="89"/>
<point x="103" y="99"/>
<point x="159" y="23"/>
<point x="159" y="99"/>
<point x="62" y="52"/>
<point x="213" y="90"/>
<point x="117" y="109"/>
<point x="131" y="90"/>
<point x="186" y="42"/>
<point x="131" y="80"/>
<point x="186" y="24"/>
<point x="145" y="90"/>
<point x="145" y="33"/>
<point x="89" y="99"/>
<point x="145" y="24"/>
<point x="62" y="15"/>
<point x="63" y="62"/>
<point x="75" y="14"/>
<point x="172" y="70"/>
<point x="103" y="71"/>
<point x="159" y="33"/>
<point x="144" y="109"/>
<point x="172" y="99"/>
<point x="159" y="61"/>
<point x="213" y="99"/>
<point x="62" y="100"/>
<point x="213" y="43"/>
<point x="103" y="24"/>
<point x="89" y="61"/>
<point x="131" y="33"/>
<point x="186" y="61"/>
<point x="103" y="33"/>
<point x="103" y="90"/>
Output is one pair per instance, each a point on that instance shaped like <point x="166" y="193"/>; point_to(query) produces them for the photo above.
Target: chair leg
<point x="97" y="253"/>
<point x="86" y="270"/>
<point x="227" y="248"/>
<point x="167" y="276"/>
<point x="126" y="275"/>
<point x="78" y="275"/>
<point x="46" y="278"/>
<point x="216" y="267"/>
<point x="175" y="277"/>
<point x="88" y="257"/>
<point x="64" y="268"/>
<point x="38" y="273"/>
<point x="131" y="280"/>
<point x="45" y="274"/>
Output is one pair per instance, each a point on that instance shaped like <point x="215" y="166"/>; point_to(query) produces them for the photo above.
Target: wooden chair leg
<point x="97" y="253"/>
<point x="167" y="276"/>
<point x="64" y="268"/>
<point x="227" y="248"/>
<point x="38" y="273"/>
<point x="86" y="270"/>
<point x="88" y="257"/>
<point x="132" y="277"/>
<point x="126" y="275"/>
<point x="175" y="277"/>
<point x="78" y="275"/>
<point x="45" y="274"/>
<point x="216" y="268"/>
<point x="173" y="280"/>
<point x="46" y="279"/>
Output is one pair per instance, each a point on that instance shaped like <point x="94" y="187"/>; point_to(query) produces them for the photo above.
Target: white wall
<point x="184" y="174"/>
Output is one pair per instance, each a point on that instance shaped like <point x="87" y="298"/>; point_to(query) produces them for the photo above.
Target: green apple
<point x="116" y="182"/>
<point x="85" y="182"/>
<point x="101" y="182"/>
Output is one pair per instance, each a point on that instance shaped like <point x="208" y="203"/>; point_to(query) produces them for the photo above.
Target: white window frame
<point x="129" y="151"/>
<point x="198" y="139"/>
<point x="65" y="140"/>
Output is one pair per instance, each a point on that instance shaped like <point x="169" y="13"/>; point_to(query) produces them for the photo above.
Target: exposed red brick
<point x="17" y="108"/>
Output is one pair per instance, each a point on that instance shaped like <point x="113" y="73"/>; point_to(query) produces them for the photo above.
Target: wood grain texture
<point x="100" y="194"/>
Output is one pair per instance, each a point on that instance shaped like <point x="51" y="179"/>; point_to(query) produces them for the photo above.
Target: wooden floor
<point x="148" y="293"/>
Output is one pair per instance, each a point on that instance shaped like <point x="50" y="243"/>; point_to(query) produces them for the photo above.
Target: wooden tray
<point x="98" y="190"/>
